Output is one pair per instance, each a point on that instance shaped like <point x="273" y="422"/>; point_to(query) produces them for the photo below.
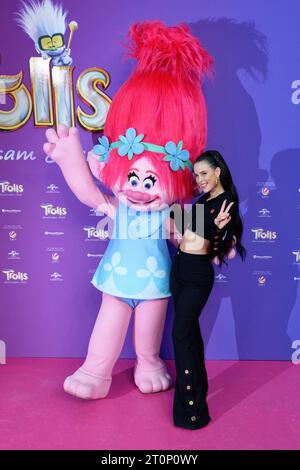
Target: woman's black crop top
<point x="200" y="220"/>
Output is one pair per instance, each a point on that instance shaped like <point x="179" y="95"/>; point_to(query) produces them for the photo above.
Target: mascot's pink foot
<point x="87" y="386"/>
<point x="151" y="381"/>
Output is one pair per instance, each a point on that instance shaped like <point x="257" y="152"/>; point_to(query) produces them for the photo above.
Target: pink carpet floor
<point x="253" y="405"/>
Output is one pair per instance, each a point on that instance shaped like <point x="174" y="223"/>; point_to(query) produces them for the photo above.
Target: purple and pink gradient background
<point x="251" y="120"/>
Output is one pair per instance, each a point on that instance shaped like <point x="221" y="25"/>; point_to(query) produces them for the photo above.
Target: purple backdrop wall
<point x="253" y="119"/>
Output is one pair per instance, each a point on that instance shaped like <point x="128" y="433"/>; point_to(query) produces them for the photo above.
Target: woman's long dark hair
<point x="215" y="159"/>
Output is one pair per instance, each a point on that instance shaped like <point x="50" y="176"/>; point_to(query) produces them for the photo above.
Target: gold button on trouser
<point x="191" y="402"/>
<point x="193" y="418"/>
<point x="186" y="371"/>
<point x="188" y="387"/>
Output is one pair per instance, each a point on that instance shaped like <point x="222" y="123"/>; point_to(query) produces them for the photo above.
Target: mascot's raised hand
<point x="65" y="149"/>
<point x="64" y="145"/>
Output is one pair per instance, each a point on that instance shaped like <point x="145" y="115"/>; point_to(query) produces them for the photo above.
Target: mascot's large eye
<point x="133" y="179"/>
<point x="149" y="182"/>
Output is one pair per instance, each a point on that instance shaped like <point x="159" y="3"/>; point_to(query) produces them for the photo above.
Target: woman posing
<point x="209" y="231"/>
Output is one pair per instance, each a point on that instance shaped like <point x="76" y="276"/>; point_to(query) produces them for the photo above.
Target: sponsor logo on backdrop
<point x="264" y="213"/>
<point x="262" y="277"/>
<point x="54" y="234"/>
<point x="265" y="191"/>
<point x="55" y="257"/>
<point x="296" y="354"/>
<point x="12" y="231"/>
<point x="12" y="235"/>
<point x="11" y="189"/>
<point x="94" y="255"/>
<point x="52" y="212"/>
<point x="93" y="234"/>
<point x="262" y="280"/>
<point x="55" y="253"/>
<point x="265" y="188"/>
<point x="14" y="277"/>
<point x="262" y="256"/>
<point x="52" y="189"/>
<point x="11" y="211"/>
<point x="56" y="277"/>
<point x="13" y="255"/>
<point x="220" y="278"/>
<point x="262" y="235"/>
<point x="95" y="212"/>
<point x="297" y="256"/>
<point x="17" y="155"/>
<point x="295" y="96"/>
<point x="12" y="227"/>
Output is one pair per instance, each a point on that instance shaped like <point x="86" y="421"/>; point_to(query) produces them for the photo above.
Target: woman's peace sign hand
<point x="223" y="217"/>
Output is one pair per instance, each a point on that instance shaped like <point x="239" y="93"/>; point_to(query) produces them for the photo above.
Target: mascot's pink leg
<point x="150" y="373"/>
<point x="93" y="379"/>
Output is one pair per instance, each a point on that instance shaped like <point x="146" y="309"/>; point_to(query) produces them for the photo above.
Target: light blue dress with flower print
<point x="136" y="263"/>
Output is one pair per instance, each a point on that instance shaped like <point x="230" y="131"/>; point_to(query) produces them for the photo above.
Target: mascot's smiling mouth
<point x="142" y="202"/>
<point x="137" y="197"/>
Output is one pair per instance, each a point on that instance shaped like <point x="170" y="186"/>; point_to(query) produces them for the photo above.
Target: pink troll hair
<point x="163" y="100"/>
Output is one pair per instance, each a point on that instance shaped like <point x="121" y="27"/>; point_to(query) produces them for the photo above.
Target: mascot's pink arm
<point x="65" y="149"/>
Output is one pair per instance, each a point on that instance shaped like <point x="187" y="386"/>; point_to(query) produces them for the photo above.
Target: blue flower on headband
<point x="103" y="149"/>
<point x="176" y="156"/>
<point x="131" y="144"/>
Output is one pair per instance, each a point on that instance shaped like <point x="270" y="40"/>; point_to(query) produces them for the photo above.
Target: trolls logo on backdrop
<point x="52" y="90"/>
<point x="9" y="189"/>
<point x="264" y="235"/>
<point x="53" y="212"/>
<point x="94" y="234"/>
<point x="12" y="276"/>
<point x="297" y="255"/>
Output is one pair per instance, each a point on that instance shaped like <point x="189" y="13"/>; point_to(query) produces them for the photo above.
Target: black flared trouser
<point x="191" y="282"/>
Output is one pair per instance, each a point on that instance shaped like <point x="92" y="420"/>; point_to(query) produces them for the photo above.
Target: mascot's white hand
<point x="64" y="145"/>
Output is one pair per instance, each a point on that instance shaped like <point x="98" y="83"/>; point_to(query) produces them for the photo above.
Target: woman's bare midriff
<point x="193" y="244"/>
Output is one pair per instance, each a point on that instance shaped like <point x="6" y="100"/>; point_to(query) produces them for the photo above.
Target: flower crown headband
<point x="131" y="144"/>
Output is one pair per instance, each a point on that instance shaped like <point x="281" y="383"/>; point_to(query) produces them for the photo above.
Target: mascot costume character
<point x="155" y="129"/>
